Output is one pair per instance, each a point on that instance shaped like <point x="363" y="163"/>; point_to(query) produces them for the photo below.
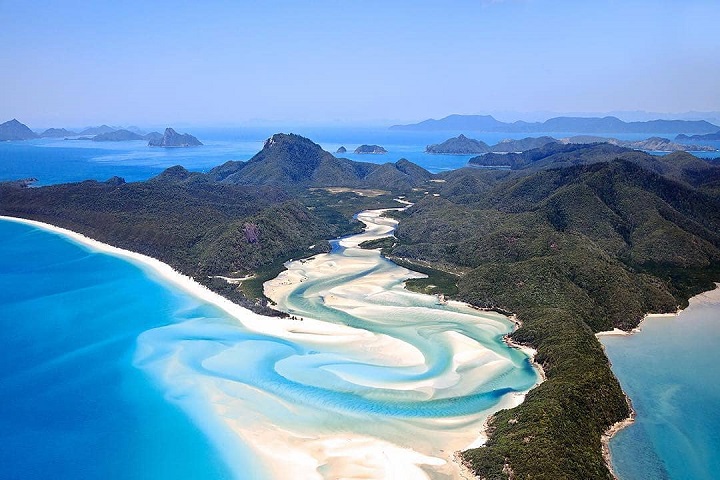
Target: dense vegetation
<point x="571" y="251"/>
<point x="296" y="162"/>
<point x="207" y="226"/>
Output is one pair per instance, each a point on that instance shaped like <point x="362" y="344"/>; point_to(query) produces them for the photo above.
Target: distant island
<point x="125" y="135"/>
<point x="486" y="123"/>
<point x="173" y="139"/>
<point x="97" y="130"/>
<point x="341" y="150"/>
<point x="14" y="130"/>
<point x="713" y="137"/>
<point x="117" y="136"/>
<point x="653" y="144"/>
<point x="460" y="145"/>
<point x="57" y="133"/>
<point x="371" y="149"/>
<point x="463" y="145"/>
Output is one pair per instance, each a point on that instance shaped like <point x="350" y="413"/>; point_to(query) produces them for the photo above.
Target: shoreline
<point x="528" y="350"/>
<point x="706" y="296"/>
<point x="218" y="425"/>
<point x="161" y="269"/>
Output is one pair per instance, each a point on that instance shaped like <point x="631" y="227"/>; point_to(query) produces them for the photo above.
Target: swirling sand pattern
<point x="374" y="381"/>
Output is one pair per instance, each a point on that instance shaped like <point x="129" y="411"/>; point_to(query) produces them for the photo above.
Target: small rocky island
<point x="370" y="149"/>
<point x="173" y="139"/>
<point x="463" y="145"/>
<point x="341" y="150"/>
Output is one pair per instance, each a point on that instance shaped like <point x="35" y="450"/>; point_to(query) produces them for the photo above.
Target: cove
<point x="669" y="371"/>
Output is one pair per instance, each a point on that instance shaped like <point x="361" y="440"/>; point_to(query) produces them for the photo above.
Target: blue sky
<point x="333" y="61"/>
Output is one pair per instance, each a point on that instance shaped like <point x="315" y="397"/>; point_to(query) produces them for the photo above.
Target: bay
<point x="669" y="371"/>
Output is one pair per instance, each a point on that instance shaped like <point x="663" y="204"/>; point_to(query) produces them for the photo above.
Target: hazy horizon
<point x="371" y="63"/>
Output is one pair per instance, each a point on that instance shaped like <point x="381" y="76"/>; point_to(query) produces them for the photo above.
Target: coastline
<point x="296" y="273"/>
<point x="324" y="450"/>
<point x="526" y="349"/>
<point x="707" y="296"/>
<point x="162" y="270"/>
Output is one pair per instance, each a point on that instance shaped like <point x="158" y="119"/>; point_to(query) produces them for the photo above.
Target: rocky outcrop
<point x="341" y="150"/>
<point x="173" y="139"/>
<point x="370" y="149"/>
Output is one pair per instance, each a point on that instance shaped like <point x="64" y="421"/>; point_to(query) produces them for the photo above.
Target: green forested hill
<point x="293" y="161"/>
<point x="571" y="251"/>
<point x="200" y="228"/>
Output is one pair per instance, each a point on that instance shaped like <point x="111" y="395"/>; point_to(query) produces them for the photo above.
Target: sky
<point x="75" y="63"/>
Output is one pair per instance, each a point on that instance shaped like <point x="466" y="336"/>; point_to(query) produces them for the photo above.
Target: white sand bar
<point x="374" y="381"/>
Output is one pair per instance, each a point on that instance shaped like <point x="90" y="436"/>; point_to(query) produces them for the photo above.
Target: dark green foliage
<point x="435" y="282"/>
<point x="384" y="244"/>
<point x="196" y="226"/>
<point x="293" y="161"/>
<point x="571" y="251"/>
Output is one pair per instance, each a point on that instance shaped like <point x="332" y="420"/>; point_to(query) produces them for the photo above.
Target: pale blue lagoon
<point x="670" y="372"/>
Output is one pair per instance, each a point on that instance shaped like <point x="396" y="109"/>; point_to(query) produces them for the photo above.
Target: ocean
<point x="669" y="370"/>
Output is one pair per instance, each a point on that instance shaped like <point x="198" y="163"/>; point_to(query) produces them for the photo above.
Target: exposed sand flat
<point x="390" y="390"/>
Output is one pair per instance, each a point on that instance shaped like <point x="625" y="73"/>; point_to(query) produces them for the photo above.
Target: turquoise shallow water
<point x="107" y="371"/>
<point x="670" y="372"/>
<point x="73" y="406"/>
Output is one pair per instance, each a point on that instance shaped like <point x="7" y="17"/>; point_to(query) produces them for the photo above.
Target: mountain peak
<point x="173" y="139"/>
<point x="15" y="130"/>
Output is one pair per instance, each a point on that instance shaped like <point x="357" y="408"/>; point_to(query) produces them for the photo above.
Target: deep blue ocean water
<point x="670" y="372"/>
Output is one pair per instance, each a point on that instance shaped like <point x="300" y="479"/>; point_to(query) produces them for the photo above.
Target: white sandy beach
<point x="293" y="439"/>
